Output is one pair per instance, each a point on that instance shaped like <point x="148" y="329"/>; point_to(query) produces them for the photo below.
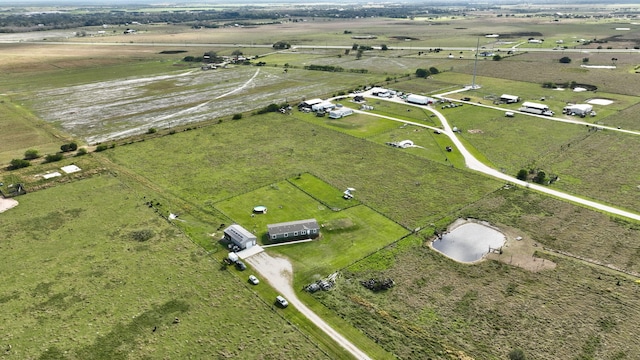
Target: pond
<point x="469" y="242"/>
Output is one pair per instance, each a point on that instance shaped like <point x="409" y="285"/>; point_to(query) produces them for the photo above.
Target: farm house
<point x="339" y="113"/>
<point x="419" y="99"/>
<point x="578" y="109"/>
<point x="323" y="106"/>
<point x="509" y="99"/>
<point x="294" y="230"/>
<point x="307" y="104"/>
<point x="240" y="237"/>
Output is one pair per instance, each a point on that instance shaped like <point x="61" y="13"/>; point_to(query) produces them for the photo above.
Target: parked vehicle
<point x="254" y="280"/>
<point x="240" y="265"/>
<point x="281" y="301"/>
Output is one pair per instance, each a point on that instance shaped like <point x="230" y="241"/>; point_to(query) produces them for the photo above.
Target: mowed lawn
<point x="91" y="272"/>
<point x="346" y="235"/>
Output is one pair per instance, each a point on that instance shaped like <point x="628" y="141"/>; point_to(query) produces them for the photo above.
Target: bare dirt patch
<point x="6" y="204"/>
<point x="475" y="131"/>
<point x="519" y="250"/>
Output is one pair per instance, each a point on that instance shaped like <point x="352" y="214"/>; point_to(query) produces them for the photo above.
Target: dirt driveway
<point x="278" y="272"/>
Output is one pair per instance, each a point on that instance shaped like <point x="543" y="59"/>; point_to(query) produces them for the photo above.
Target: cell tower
<point x="475" y="67"/>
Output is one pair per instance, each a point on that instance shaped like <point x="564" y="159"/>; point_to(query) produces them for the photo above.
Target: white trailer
<point x="536" y="106"/>
<point x="419" y="99"/>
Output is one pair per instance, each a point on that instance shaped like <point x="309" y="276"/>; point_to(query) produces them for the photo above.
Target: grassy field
<point x="439" y="306"/>
<point x="104" y="277"/>
<point x="260" y="151"/>
<point x="20" y="131"/>
<point x="346" y="234"/>
<point x="111" y="274"/>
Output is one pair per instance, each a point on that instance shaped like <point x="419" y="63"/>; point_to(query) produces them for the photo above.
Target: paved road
<point x="474" y="164"/>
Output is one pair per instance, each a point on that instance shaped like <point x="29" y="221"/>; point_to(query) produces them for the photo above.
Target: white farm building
<point x="419" y="99"/>
<point x="340" y="112"/>
<point x="509" y="99"/>
<point x="578" y="109"/>
<point x="323" y="106"/>
<point x="240" y="237"/>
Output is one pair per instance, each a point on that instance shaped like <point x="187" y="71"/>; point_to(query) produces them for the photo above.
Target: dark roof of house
<point x="291" y="226"/>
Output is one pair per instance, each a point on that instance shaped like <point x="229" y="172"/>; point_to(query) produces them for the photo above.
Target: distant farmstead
<point x="294" y="230"/>
<point x="240" y="237"/>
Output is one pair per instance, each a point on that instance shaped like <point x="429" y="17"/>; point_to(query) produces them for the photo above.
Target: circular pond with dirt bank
<point x="468" y="241"/>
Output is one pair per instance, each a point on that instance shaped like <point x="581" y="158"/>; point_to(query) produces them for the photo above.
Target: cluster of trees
<point x="281" y="45"/>
<point x="424" y="73"/>
<point x="32" y="154"/>
<point x="538" y="177"/>
<point x="19" y="22"/>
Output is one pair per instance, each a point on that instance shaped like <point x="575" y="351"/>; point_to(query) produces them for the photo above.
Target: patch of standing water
<point x="469" y="242"/>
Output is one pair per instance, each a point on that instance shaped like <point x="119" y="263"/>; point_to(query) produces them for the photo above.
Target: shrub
<point x="19" y="163"/>
<point x="69" y="147"/>
<point x="31" y="154"/>
<point x="422" y="73"/>
<point x="433" y="70"/>
<point x="142" y="235"/>
<point x="101" y="147"/>
<point x="81" y="151"/>
<point x="517" y="354"/>
<point x="522" y="174"/>
<point x="565" y="60"/>
<point x="236" y="117"/>
<point x="53" y="157"/>
<point x="497" y="57"/>
<point x="151" y="131"/>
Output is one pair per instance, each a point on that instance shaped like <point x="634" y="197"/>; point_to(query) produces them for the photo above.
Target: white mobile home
<point x="323" y="106"/>
<point x="536" y="106"/>
<point x="419" y="99"/>
<point x="339" y="113"/>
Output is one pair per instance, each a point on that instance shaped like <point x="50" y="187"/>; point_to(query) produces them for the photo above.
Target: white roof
<point x="528" y="104"/>
<point x="585" y="107"/>
<point x="507" y="96"/>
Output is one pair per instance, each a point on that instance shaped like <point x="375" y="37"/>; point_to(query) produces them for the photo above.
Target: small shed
<point x="240" y="237"/>
<point x="294" y="230"/>
<point x="509" y="99"/>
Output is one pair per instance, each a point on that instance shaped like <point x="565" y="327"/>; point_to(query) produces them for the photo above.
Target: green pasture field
<point x="235" y="157"/>
<point x="91" y="272"/>
<point x="439" y="305"/>
<point x="356" y="125"/>
<point x="603" y="166"/>
<point x="20" y="131"/>
<point x="346" y="235"/>
<point x="439" y="308"/>
<point x="322" y="192"/>
<point x="519" y="68"/>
